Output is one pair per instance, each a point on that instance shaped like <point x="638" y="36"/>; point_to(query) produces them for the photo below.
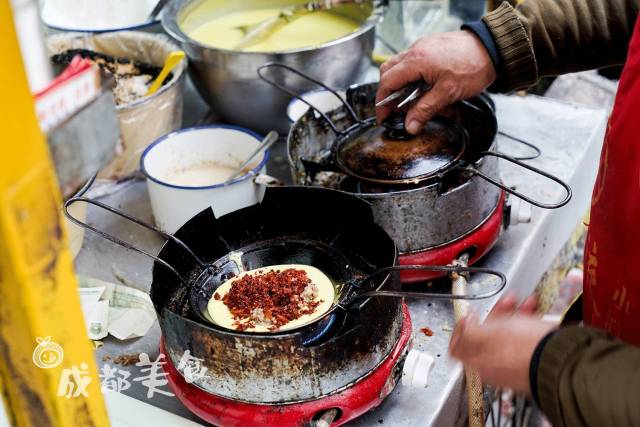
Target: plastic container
<point x="89" y="16"/>
<point x="146" y="119"/>
<point x="322" y="99"/>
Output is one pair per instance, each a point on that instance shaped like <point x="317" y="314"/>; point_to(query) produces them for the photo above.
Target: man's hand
<point x="500" y="349"/>
<point x="456" y="64"/>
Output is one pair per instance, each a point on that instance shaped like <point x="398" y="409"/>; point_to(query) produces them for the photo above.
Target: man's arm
<point x="585" y="377"/>
<point x="511" y="48"/>
<point x="578" y="376"/>
<point x="551" y="37"/>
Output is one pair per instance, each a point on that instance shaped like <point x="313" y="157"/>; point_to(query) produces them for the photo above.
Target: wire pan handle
<point x="78" y="198"/>
<point x="449" y="296"/>
<point x="270" y="65"/>
<point x="519" y="195"/>
<point x="536" y="151"/>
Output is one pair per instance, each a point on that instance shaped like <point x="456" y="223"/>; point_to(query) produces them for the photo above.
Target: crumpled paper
<point x="121" y="311"/>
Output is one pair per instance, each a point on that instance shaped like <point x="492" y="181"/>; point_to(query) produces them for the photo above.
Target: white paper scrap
<point x="121" y="311"/>
<point x="89" y="296"/>
<point x="96" y="317"/>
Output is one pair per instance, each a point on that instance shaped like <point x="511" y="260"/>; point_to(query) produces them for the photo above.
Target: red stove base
<point x="352" y="402"/>
<point x="480" y="240"/>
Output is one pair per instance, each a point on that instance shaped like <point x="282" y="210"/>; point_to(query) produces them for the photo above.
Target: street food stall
<point x="220" y="156"/>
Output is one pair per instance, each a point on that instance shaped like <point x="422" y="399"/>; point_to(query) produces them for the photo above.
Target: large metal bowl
<point x="228" y="81"/>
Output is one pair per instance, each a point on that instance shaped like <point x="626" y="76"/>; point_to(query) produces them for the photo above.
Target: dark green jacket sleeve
<point x="550" y="37"/>
<point x="585" y="377"/>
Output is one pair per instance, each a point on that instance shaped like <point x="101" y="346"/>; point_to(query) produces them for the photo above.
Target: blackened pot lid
<point x="389" y="155"/>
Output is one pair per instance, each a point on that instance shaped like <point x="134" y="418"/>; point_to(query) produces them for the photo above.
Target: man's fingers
<point x="529" y="305"/>
<point x="393" y="79"/>
<point x="388" y="64"/>
<point x="505" y="306"/>
<point x="456" y="336"/>
<point x="508" y="305"/>
<point x="428" y="106"/>
<point x="468" y="339"/>
<point x="398" y="76"/>
<point x="391" y="62"/>
<point x="383" y="111"/>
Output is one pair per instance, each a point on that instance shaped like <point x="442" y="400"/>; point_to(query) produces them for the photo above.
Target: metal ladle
<point x="267" y="142"/>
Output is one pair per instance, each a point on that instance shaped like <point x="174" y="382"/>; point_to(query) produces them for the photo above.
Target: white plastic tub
<point x="90" y="16"/>
<point x="322" y="99"/>
<point x="143" y="120"/>
<point x="173" y="205"/>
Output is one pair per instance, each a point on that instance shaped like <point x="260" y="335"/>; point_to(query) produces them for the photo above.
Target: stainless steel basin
<point x="228" y="81"/>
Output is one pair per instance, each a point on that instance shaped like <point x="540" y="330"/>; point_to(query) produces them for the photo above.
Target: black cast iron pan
<point x="352" y="287"/>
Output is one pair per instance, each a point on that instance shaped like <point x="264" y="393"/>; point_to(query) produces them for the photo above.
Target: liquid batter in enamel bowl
<point x="187" y="171"/>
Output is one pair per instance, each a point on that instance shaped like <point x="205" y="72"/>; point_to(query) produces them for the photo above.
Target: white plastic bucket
<point x="323" y="100"/>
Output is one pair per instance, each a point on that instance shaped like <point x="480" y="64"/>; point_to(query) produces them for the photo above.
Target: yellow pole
<point x="38" y="295"/>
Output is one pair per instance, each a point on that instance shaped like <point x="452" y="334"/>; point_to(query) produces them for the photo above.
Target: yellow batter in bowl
<point x="310" y="29"/>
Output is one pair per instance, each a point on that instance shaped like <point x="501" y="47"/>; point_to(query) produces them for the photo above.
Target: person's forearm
<point x="551" y="37"/>
<point x="584" y="377"/>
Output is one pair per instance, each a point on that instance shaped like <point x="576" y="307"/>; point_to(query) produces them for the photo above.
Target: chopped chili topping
<point x="274" y="298"/>
<point x="427" y="331"/>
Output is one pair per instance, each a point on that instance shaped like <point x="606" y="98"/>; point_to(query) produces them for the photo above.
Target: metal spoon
<point x="253" y="32"/>
<point x="267" y="142"/>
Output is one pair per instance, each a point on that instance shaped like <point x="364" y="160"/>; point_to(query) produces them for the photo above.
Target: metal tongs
<point x="408" y="94"/>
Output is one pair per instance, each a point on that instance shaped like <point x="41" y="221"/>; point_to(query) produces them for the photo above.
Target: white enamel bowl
<point x="173" y="205"/>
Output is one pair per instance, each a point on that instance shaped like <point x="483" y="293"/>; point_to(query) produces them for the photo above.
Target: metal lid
<point x="389" y="155"/>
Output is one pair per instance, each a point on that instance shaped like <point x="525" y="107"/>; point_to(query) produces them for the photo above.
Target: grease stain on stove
<point x="276" y="366"/>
